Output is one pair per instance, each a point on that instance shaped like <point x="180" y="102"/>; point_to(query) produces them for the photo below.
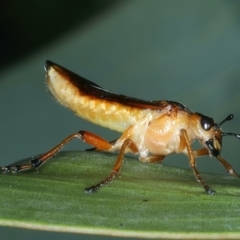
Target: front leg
<point x="226" y="165"/>
<point x="185" y="141"/>
<point x="200" y="152"/>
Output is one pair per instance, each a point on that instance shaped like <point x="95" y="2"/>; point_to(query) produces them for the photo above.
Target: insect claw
<point x="210" y="191"/>
<point x="90" y="190"/>
<point x="36" y="162"/>
<point x="16" y="169"/>
<point x="5" y="169"/>
<point x="232" y="172"/>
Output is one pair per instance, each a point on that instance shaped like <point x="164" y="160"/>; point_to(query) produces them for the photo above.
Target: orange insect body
<point x="151" y="129"/>
<point x="155" y="131"/>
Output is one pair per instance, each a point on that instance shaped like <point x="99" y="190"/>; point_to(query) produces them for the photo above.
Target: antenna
<point x="228" y="118"/>
<point x="231" y="134"/>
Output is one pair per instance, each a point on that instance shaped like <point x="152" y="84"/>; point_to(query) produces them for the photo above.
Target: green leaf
<point x="146" y="200"/>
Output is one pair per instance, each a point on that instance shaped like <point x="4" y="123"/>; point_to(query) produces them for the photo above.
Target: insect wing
<point x="92" y="89"/>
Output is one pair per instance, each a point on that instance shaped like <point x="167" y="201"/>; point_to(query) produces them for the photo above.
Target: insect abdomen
<point x="105" y="113"/>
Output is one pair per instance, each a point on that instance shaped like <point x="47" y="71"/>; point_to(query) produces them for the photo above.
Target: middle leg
<point x="128" y="143"/>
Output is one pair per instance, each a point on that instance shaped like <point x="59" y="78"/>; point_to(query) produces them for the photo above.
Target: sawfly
<point x="150" y="129"/>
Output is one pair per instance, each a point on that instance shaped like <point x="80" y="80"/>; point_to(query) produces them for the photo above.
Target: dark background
<point x="186" y="51"/>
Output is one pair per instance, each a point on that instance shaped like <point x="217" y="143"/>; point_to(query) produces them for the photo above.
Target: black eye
<point x="206" y="123"/>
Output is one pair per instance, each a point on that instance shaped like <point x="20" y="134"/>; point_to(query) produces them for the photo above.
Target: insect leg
<point x="200" y="152"/>
<point x="227" y="166"/>
<point x="152" y="159"/>
<point x="96" y="149"/>
<point x="88" y="137"/>
<point x="127" y="143"/>
<point x="193" y="162"/>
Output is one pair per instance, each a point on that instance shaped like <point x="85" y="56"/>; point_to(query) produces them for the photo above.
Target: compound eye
<point x="206" y="123"/>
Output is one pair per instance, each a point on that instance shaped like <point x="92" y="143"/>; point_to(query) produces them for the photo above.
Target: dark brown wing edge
<point x="92" y="89"/>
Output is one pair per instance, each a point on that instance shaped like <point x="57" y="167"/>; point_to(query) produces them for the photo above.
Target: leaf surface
<point x="145" y="200"/>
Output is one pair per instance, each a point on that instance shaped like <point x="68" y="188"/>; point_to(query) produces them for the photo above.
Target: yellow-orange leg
<point x="226" y="165"/>
<point x="193" y="162"/>
<point x="87" y="137"/>
<point x="98" y="150"/>
<point x="117" y="166"/>
<point x="200" y="152"/>
<point x="152" y="159"/>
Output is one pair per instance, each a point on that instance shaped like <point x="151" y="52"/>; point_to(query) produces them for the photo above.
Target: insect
<point x="151" y="129"/>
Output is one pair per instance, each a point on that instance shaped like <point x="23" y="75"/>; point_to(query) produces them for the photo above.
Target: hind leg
<point x="85" y="136"/>
<point x="128" y="143"/>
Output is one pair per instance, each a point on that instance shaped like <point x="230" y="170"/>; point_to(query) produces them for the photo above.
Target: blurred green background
<point x="186" y="51"/>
